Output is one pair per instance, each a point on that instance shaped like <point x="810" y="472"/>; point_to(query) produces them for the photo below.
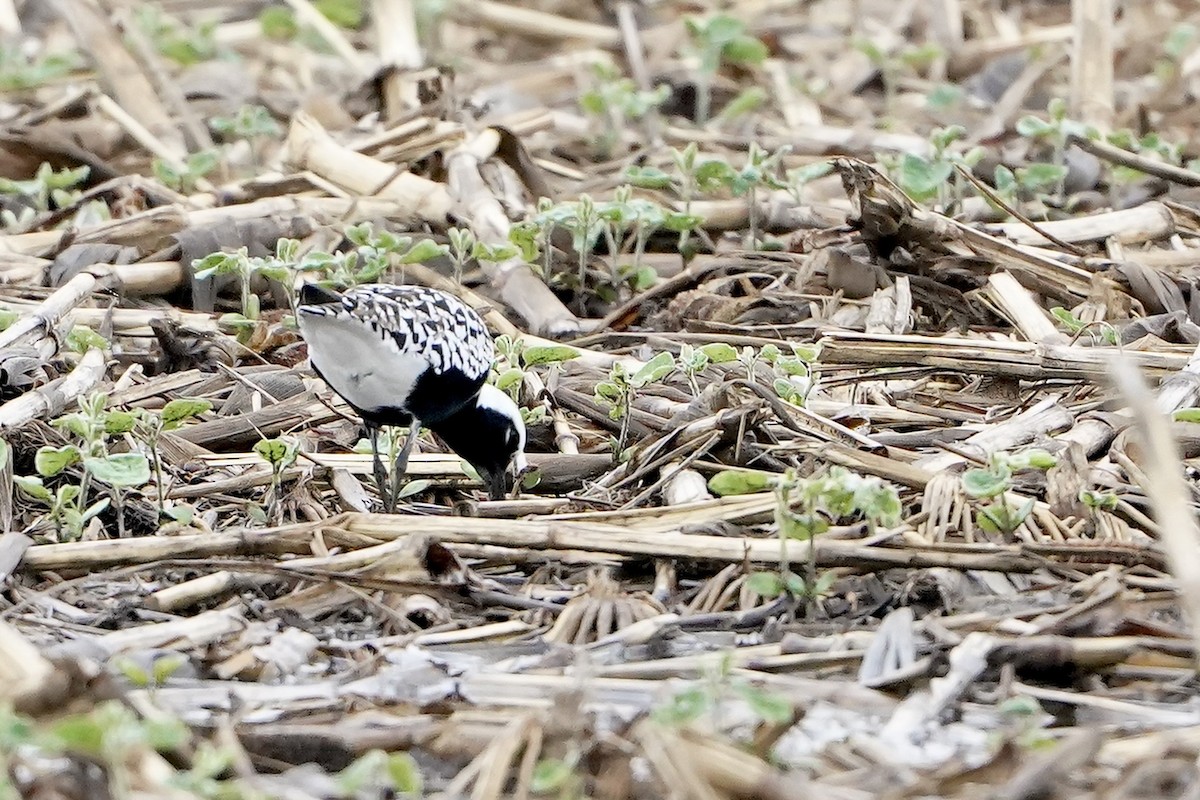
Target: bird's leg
<point x="401" y="464"/>
<point x="381" y="482"/>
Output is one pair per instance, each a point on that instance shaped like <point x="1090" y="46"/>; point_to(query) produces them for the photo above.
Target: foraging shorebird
<point x="410" y="356"/>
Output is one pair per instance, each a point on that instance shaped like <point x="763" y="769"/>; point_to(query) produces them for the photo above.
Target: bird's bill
<point x="496" y="483"/>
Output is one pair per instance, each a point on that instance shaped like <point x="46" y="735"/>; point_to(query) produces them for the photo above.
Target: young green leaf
<point x="988" y="482"/>
<point x="719" y="352"/>
<point x="121" y="470"/>
<point x="765" y="584"/>
<point x="119" y="422"/>
<point x="551" y="775"/>
<point x="414" y="487"/>
<point x="740" y="481"/>
<point x="547" y="354"/>
<point x="771" y="707"/>
<point x="33" y="487"/>
<point x="509" y="378"/>
<point x="49" y="461"/>
<point x="653" y="370"/>
<point x="279" y="453"/>
<point x="176" y="412"/>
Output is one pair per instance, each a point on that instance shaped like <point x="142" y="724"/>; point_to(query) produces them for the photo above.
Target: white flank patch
<point x="363" y="366"/>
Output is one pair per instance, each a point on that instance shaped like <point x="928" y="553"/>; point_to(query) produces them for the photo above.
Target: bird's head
<point x="491" y="436"/>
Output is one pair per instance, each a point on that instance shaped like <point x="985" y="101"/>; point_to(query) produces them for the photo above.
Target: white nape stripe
<point x="367" y="367"/>
<point x="492" y="398"/>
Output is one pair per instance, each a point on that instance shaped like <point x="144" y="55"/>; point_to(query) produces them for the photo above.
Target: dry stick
<point x="532" y="23"/>
<point x="45" y="318"/>
<point x="309" y="146"/>
<point x="1167" y="490"/>
<point x="535" y="535"/>
<point x="517" y="284"/>
<point x="1022" y="309"/>
<point x="399" y="51"/>
<point x="51" y="399"/>
<point x="1117" y="155"/>
<point x="170" y="91"/>
<point x="1142" y="223"/>
<point x="307" y="15"/>
<point x="1092" y="59"/>
<point x="132" y="89"/>
<point x="990" y="194"/>
<point x="143" y="136"/>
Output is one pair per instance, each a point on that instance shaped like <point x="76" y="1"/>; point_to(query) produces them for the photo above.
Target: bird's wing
<point x="438" y="327"/>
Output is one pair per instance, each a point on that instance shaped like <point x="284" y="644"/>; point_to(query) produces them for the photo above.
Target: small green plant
<point x="464" y="248"/>
<point x="22" y="70"/>
<point x="924" y="179"/>
<point x="719" y="686"/>
<point x="1180" y="41"/>
<point x="516" y="358"/>
<point x="558" y="777"/>
<point x="622" y="386"/>
<point x="148" y="428"/>
<point x="244" y="268"/>
<point x="994" y="482"/>
<point x="794" y="377"/>
<point x="373" y="255"/>
<point x="1151" y="144"/>
<point x="92" y="428"/>
<point x="614" y="100"/>
<point x="252" y="123"/>
<point x="281" y="453"/>
<point x="716" y="40"/>
<point x="1101" y="330"/>
<point x="183" y="177"/>
<point x="45" y="190"/>
<point x="694" y="360"/>
<point x="182" y="44"/>
<point x="1057" y="130"/>
<point x="893" y="66"/>
<point x="347" y="14"/>
<point x="804" y="509"/>
<point x="380" y="774"/>
<point x="800" y="177"/>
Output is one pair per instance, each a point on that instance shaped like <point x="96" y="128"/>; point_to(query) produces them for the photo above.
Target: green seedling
<point x="45" y="190"/>
<point x="694" y="360"/>
<point x="464" y="248"/>
<point x="185" y="45"/>
<point x="183" y="177"/>
<point x="280" y="453"/>
<point x="994" y="483"/>
<point x="1057" y="130"/>
<point x="1076" y="327"/>
<point x="20" y="70"/>
<point x="377" y="773"/>
<point x="615" y="100"/>
<point x="893" y="66"/>
<point x="805" y="508"/>
<point x="252" y="124"/>
<point x="716" y="40"/>
<point x="926" y="178"/>
<point x="622" y="386"/>
<point x="719" y="686"/>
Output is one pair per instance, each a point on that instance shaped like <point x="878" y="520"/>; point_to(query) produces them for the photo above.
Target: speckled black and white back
<point x="396" y="351"/>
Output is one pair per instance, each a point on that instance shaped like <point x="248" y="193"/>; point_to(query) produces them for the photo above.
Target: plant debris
<point x="856" y="344"/>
